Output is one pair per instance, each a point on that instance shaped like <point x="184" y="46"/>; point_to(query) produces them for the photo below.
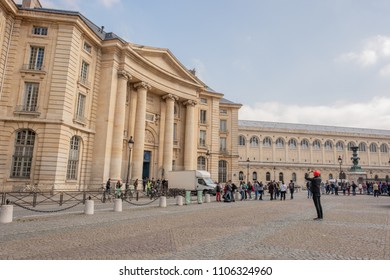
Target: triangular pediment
<point x="165" y="61"/>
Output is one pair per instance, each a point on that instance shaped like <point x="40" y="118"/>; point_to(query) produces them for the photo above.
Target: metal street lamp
<point x="130" y="144"/>
<point x="207" y="160"/>
<point x="274" y="173"/>
<point x="247" y="170"/>
<point x="340" y="160"/>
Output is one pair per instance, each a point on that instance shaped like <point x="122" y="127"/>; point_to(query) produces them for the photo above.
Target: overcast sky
<point x="323" y="62"/>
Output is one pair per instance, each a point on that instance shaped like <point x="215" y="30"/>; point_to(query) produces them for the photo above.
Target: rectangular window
<point x="223" y="111"/>
<point x="223" y="125"/>
<point x="202" y="138"/>
<point x="73" y="160"/>
<point x="23" y="154"/>
<point x="30" y="100"/>
<point x="203" y="116"/>
<point x="39" y="30"/>
<point x="222" y="144"/>
<point x="80" y="108"/>
<point x="84" y="73"/>
<point x="36" y="58"/>
<point x="87" y="47"/>
<point x="175" y="142"/>
<point x="203" y="101"/>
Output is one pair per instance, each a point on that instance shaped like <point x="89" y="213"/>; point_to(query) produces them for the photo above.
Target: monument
<point x="356" y="172"/>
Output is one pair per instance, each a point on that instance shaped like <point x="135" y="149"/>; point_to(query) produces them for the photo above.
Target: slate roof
<point x="312" y="128"/>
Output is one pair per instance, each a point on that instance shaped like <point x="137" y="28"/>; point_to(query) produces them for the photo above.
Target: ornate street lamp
<point x="340" y="160"/>
<point x="207" y="159"/>
<point x="130" y="144"/>
<point x="274" y="173"/>
<point x="247" y="170"/>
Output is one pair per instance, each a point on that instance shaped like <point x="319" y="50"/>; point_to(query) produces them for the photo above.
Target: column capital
<point x="190" y="103"/>
<point x="122" y="74"/>
<point x="170" y="96"/>
<point x="144" y="85"/>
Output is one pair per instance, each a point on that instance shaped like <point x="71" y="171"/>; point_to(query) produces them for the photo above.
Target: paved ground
<point x="353" y="228"/>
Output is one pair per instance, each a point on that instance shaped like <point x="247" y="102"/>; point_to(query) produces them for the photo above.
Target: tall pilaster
<point x="119" y="126"/>
<point x="168" y="135"/>
<point x="190" y="144"/>
<point x="139" y="130"/>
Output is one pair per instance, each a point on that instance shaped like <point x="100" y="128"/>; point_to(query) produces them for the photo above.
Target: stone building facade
<point x="284" y="152"/>
<point x="72" y="95"/>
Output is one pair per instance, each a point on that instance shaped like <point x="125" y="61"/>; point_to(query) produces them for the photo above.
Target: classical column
<point x="139" y="130"/>
<point x="119" y="125"/>
<point x="168" y="135"/>
<point x="190" y="141"/>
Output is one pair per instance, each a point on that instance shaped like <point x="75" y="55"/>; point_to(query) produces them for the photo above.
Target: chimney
<point x="31" y="4"/>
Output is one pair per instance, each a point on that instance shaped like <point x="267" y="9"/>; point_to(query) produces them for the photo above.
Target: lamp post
<point x="207" y="160"/>
<point x="274" y="173"/>
<point x="130" y="144"/>
<point x="247" y="170"/>
<point x="340" y="160"/>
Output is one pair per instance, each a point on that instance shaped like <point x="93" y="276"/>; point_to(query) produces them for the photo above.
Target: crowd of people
<point x="351" y="188"/>
<point x="255" y="190"/>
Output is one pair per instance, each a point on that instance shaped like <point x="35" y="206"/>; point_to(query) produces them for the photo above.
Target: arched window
<point x="241" y="140"/>
<point x="373" y="148"/>
<point x="254" y="176"/>
<point x="292" y="144"/>
<point x="384" y="148"/>
<point x="340" y="146"/>
<point x="281" y="177"/>
<point x="222" y="171"/>
<point x="254" y="141"/>
<point x="241" y="176"/>
<point x="328" y="145"/>
<point x="23" y="154"/>
<point x="201" y="163"/>
<point x="316" y="145"/>
<point x="73" y="160"/>
<point x="350" y="145"/>
<point x="267" y="142"/>
<point x="294" y="177"/>
<point x="304" y="144"/>
<point x="330" y="176"/>
<point x="362" y="147"/>
<point x="279" y="143"/>
<point x="268" y="176"/>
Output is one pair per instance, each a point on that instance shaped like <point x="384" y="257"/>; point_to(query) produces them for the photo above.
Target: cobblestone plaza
<point x="354" y="228"/>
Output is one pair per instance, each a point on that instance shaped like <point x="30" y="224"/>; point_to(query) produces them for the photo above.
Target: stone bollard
<point x="89" y="208"/>
<point x="163" y="201"/>
<point x="118" y="205"/>
<point x="237" y="196"/>
<point x="207" y="198"/>
<point x="6" y="214"/>
<point x="200" y="197"/>
<point x="188" y="197"/>
<point x="179" y="200"/>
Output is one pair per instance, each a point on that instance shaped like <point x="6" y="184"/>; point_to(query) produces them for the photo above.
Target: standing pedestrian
<point x="218" y="192"/>
<point x="291" y="186"/>
<point x="316" y="191"/>
<point x="283" y="190"/>
<point x="261" y="190"/>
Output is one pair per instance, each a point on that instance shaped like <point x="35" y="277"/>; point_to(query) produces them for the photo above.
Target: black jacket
<point x="315" y="184"/>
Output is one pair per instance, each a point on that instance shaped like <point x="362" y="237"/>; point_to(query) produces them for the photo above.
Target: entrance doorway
<point x="146" y="165"/>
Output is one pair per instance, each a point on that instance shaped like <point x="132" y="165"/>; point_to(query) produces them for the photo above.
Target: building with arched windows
<point x="287" y="151"/>
<point x="72" y="95"/>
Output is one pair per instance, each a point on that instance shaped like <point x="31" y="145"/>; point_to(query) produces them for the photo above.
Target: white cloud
<point x="375" y="50"/>
<point x="374" y="114"/>
<point x="72" y="5"/>
<point x="109" y="3"/>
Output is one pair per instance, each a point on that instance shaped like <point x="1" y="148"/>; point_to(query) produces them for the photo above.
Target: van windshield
<point x="208" y="181"/>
